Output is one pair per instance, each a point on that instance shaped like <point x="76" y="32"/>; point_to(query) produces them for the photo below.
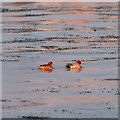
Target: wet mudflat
<point x="35" y="33"/>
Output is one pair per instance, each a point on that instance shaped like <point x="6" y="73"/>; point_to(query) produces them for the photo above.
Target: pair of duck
<point x="49" y="66"/>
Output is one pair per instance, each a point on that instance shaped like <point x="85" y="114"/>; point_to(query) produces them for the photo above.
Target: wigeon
<point x="76" y="65"/>
<point x="46" y="66"/>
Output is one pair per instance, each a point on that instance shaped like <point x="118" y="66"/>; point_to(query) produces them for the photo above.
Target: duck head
<point x="79" y="61"/>
<point x="50" y="63"/>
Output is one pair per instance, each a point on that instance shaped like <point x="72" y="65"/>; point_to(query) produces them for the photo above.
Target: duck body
<point x="73" y="66"/>
<point x="46" y="66"/>
<point x="76" y="65"/>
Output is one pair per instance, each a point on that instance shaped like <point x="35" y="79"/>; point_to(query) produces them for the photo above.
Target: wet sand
<point x="35" y="33"/>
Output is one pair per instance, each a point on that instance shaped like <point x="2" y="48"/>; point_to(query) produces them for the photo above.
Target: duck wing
<point x="69" y="65"/>
<point x="42" y="66"/>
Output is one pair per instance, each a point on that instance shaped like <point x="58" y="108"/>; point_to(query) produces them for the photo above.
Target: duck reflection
<point x="74" y="69"/>
<point x="45" y="70"/>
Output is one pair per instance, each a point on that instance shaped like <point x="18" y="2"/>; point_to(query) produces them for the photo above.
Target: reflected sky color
<point x="59" y="1"/>
<point x="35" y="33"/>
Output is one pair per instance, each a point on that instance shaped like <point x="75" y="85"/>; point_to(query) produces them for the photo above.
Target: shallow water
<point x="35" y="33"/>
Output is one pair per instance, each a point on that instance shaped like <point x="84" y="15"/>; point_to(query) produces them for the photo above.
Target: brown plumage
<point x="46" y="66"/>
<point x="76" y="65"/>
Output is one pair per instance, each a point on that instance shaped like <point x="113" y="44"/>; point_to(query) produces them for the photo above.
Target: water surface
<point x="35" y="33"/>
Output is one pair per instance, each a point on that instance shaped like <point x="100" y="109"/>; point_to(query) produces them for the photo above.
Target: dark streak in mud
<point x="35" y="117"/>
<point x="107" y="14"/>
<point x="117" y="79"/>
<point x="54" y="39"/>
<point x="86" y="92"/>
<point x="24" y="101"/>
<point x="20" y="30"/>
<point x="109" y="36"/>
<point x="50" y="47"/>
<point x="5" y="100"/>
<point x="5" y="60"/>
<point x="32" y="15"/>
<point x="21" y="9"/>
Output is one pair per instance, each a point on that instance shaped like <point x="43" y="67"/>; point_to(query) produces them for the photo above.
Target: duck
<point x="48" y="66"/>
<point x="76" y="65"/>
